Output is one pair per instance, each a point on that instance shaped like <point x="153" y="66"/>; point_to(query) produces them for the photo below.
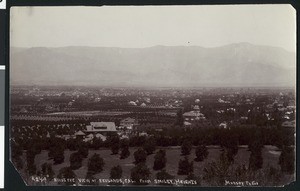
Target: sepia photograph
<point x="161" y="96"/>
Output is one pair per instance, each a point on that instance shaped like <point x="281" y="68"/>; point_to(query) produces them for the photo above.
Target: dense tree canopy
<point x="95" y="164"/>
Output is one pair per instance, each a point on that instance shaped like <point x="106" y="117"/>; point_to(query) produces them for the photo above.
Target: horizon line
<point x="158" y="45"/>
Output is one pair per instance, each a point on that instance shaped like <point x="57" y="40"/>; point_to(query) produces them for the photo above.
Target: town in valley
<point x="147" y="134"/>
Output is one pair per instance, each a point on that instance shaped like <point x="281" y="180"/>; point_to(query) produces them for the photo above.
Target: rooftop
<point x="101" y="127"/>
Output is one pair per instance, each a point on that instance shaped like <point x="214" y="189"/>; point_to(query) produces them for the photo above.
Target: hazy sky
<point x="145" y="26"/>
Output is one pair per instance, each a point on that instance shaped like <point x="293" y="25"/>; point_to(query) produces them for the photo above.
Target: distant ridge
<point x="239" y="64"/>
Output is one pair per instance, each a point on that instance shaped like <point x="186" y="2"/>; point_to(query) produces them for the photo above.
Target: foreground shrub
<point x="67" y="173"/>
<point x="185" y="167"/>
<point x="255" y="160"/>
<point x="124" y="144"/>
<point x="47" y="170"/>
<point x="287" y="160"/>
<point x="75" y="160"/>
<point x="160" y="160"/>
<point x="140" y="172"/>
<point x="162" y="177"/>
<point x="95" y="164"/>
<point x="149" y="146"/>
<point x="186" y="147"/>
<point x="140" y="156"/>
<point x="116" y="172"/>
<point x="201" y="153"/>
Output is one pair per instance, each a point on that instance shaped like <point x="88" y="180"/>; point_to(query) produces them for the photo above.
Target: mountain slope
<point x="241" y="64"/>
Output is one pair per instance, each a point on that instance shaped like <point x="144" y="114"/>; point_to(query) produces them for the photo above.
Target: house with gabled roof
<point x="101" y="127"/>
<point x="128" y="123"/>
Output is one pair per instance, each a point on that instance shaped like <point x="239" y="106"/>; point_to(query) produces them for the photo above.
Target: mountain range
<point x="239" y="64"/>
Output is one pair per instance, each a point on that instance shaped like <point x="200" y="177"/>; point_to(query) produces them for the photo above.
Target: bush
<point x="67" y="173"/>
<point x="201" y="153"/>
<point x="287" y="160"/>
<point x="179" y="118"/>
<point x="137" y="141"/>
<point x="186" y="147"/>
<point x="230" y="153"/>
<point x="75" y="160"/>
<point x="114" y="142"/>
<point x="58" y="156"/>
<point x="90" y="179"/>
<point x="116" y="172"/>
<point x="124" y="144"/>
<point x="47" y="170"/>
<point x="125" y="153"/>
<point x="97" y="143"/>
<point x="160" y="160"/>
<point x="140" y="172"/>
<point x="185" y="167"/>
<point x="95" y="164"/>
<point x="115" y="149"/>
<point x="162" y="176"/>
<point x="255" y="160"/>
<point x="218" y="171"/>
<point x="140" y="156"/>
<point x="229" y="142"/>
<point x="149" y="146"/>
<point x="83" y="151"/>
<point x="255" y="145"/>
<point x="17" y="161"/>
<point x="31" y="167"/>
<point x="196" y="179"/>
<point x="73" y="144"/>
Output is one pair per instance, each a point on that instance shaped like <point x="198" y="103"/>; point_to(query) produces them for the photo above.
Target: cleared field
<point x="270" y="157"/>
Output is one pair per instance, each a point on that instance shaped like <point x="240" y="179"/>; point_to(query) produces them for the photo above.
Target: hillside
<point x="240" y="64"/>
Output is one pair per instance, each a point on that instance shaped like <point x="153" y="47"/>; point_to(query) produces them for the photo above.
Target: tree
<point x="255" y="146"/>
<point x="75" y="160"/>
<point x="124" y="144"/>
<point x="179" y="118"/>
<point x="255" y="160"/>
<point x="16" y="153"/>
<point x="140" y="172"/>
<point x="114" y="142"/>
<point x="229" y="142"/>
<point x="56" y="150"/>
<point x="160" y="160"/>
<point x="47" y="170"/>
<point x="192" y="176"/>
<point x="185" y="167"/>
<point x="201" y="153"/>
<point x="31" y="167"/>
<point x="162" y="176"/>
<point x="186" y="147"/>
<point x="90" y="179"/>
<point x="73" y="144"/>
<point x="58" y="156"/>
<point x="83" y="151"/>
<point x="218" y="171"/>
<point x="97" y="143"/>
<point x="140" y="156"/>
<point x="230" y="153"/>
<point x="116" y="172"/>
<point x="124" y="153"/>
<point x="114" y="149"/>
<point x="67" y="173"/>
<point x="149" y="146"/>
<point x="256" y="142"/>
<point x="17" y="161"/>
<point x="287" y="160"/>
<point x="95" y="164"/>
